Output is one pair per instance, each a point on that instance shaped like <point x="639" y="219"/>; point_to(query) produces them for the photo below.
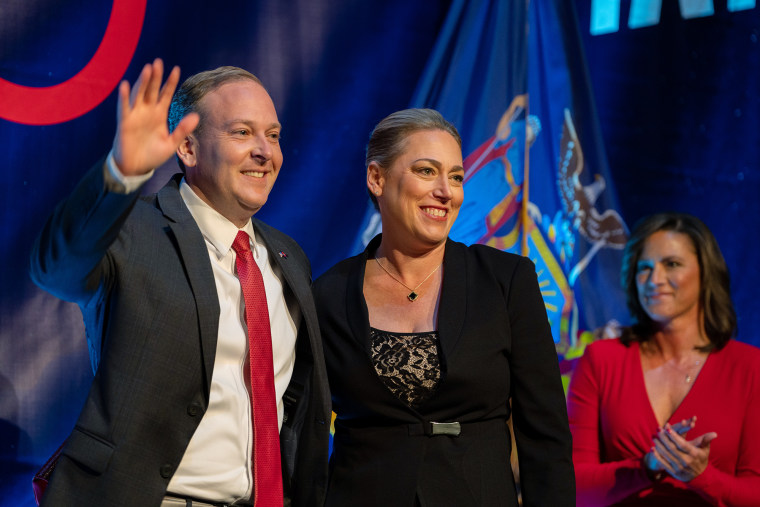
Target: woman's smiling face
<point x="668" y="277"/>
<point x="421" y="192"/>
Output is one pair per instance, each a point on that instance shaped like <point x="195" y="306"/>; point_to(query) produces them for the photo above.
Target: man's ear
<point x="375" y="178"/>
<point x="186" y="151"/>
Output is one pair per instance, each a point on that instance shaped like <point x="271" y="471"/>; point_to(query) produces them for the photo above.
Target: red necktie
<point x="267" y="471"/>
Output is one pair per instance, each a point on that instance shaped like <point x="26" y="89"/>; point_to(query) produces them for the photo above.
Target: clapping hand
<point x="680" y="458"/>
<point x="682" y="428"/>
<point x="143" y="141"/>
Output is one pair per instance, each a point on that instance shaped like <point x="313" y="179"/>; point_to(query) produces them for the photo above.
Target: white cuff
<point x="117" y="182"/>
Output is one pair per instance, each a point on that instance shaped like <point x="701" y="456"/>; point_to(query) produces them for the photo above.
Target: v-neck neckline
<point x="643" y="386"/>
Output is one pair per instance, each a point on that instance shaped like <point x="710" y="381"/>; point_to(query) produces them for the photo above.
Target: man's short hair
<point x="187" y="98"/>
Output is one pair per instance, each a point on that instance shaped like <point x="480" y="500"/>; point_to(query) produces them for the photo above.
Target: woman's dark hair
<point x="715" y="303"/>
<point x="388" y="139"/>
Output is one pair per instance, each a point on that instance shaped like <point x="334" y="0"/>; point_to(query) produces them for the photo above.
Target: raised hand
<point x="142" y="140"/>
<point x="682" y="459"/>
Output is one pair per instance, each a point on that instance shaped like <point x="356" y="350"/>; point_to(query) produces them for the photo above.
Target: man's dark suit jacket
<point x="139" y="269"/>
<point x="495" y="344"/>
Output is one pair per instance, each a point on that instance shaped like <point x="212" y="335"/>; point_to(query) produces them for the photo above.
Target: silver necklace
<point x="412" y="296"/>
<point x="689" y="377"/>
<point x="691" y="371"/>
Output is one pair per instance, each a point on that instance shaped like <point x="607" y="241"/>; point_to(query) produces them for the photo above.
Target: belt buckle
<point x="452" y="429"/>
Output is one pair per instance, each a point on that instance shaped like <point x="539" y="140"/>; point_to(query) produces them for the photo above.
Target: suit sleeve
<point x="597" y="483"/>
<point x="539" y="416"/>
<point x="68" y="258"/>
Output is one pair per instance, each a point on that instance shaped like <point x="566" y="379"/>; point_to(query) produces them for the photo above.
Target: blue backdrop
<point x="678" y="98"/>
<point x="664" y="99"/>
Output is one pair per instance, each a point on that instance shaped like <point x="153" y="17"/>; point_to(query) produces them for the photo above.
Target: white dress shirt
<point x="217" y="463"/>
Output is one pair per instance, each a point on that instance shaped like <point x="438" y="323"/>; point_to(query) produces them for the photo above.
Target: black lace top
<point x="407" y="363"/>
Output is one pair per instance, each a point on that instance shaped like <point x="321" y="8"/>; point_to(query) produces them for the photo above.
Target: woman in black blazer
<point x="427" y="341"/>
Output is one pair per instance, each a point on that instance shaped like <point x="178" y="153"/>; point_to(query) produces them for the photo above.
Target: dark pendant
<point x="412" y="296"/>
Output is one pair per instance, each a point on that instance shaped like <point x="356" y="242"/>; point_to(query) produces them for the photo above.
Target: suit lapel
<point x="452" y="307"/>
<point x="292" y="273"/>
<point x="194" y="256"/>
<point x="356" y="306"/>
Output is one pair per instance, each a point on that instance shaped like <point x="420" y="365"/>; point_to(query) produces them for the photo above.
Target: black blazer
<point x="496" y="345"/>
<point x="139" y="270"/>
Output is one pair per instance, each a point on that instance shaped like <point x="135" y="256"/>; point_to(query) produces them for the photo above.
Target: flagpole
<point x="526" y="181"/>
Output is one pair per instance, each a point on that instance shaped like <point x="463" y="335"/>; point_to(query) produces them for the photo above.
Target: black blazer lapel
<point x="356" y="306"/>
<point x="453" y="305"/>
<point x="194" y="254"/>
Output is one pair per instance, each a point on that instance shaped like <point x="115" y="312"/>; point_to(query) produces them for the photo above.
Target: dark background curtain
<point x="679" y="105"/>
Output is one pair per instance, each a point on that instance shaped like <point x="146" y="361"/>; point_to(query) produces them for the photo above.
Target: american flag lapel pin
<point x="283" y="254"/>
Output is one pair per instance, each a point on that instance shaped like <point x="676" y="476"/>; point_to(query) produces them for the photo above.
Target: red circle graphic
<point x="90" y="86"/>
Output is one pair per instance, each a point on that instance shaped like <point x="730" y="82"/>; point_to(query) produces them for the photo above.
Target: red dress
<point x="613" y="423"/>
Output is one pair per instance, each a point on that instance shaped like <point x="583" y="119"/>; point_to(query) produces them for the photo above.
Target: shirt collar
<point x="216" y="229"/>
